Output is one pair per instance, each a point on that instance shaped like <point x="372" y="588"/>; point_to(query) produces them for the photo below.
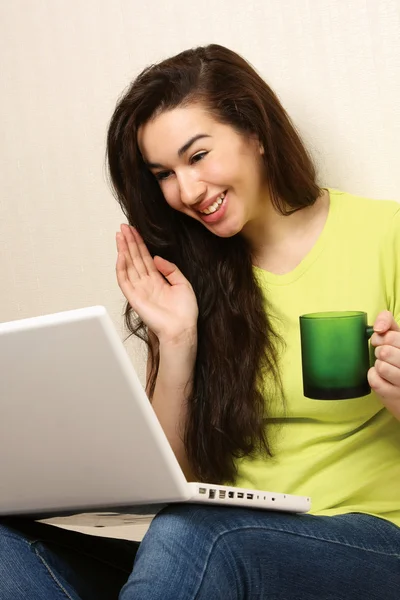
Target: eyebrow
<point x="181" y="150"/>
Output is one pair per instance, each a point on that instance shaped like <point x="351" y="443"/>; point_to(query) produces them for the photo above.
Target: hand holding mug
<point x="384" y="376"/>
<point x="336" y="359"/>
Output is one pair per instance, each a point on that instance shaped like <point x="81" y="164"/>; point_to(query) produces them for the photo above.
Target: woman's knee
<point x="187" y="523"/>
<point x="181" y="551"/>
<point x="19" y="566"/>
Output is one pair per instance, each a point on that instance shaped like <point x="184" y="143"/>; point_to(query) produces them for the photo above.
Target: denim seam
<point x="313" y="537"/>
<point x="47" y="567"/>
<point x="302" y="535"/>
<point x="52" y="575"/>
<point x="338" y="542"/>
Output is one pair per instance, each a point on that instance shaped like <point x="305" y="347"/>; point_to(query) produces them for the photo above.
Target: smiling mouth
<point x="215" y="206"/>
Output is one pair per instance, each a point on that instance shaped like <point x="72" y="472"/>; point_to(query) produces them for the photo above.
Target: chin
<point x="226" y="230"/>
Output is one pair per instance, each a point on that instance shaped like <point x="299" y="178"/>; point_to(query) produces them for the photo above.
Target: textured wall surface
<point x="335" y="66"/>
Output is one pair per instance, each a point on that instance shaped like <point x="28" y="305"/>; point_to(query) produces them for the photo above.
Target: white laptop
<point x="78" y="433"/>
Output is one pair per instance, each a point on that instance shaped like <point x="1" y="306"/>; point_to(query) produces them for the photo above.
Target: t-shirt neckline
<point x="311" y="256"/>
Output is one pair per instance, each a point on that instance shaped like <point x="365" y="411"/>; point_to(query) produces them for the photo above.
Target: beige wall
<point x="63" y="63"/>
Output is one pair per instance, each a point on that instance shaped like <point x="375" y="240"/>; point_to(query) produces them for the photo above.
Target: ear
<point x="260" y="146"/>
<point x="257" y="144"/>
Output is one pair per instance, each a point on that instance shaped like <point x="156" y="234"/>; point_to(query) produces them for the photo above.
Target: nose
<point x="192" y="190"/>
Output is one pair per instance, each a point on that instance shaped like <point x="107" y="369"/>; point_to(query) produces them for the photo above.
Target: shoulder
<point x="360" y="212"/>
<point x="355" y="202"/>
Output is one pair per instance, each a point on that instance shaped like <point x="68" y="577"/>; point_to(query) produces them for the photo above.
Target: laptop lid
<point x="76" y="429"/>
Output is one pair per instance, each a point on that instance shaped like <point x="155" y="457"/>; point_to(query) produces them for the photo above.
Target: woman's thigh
<point x="43" y="562"/>
<point x="198" y="552"/>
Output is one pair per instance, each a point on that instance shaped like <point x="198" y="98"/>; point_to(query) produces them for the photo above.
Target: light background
<point x="63" y="63"/>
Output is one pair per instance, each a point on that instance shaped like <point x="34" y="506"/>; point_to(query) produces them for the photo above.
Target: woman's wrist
<point x="177" y="362"/>
<point x="183" y="341"/>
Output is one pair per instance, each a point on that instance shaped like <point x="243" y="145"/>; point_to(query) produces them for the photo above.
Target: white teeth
<point x="215" y="206"/>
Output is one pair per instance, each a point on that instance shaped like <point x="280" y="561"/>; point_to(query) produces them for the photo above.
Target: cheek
<point x="219" y="173"/>
<point x="170" y="191"/>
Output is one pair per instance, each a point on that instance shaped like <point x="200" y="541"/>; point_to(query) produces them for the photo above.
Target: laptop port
<point x="240" y="495"/>
<point x="211" y="493"/>
<point x="250" y="496"/>
<point x="222" y="494"/>
<point x="202" y="490"/>
<point x="231" y="494"/>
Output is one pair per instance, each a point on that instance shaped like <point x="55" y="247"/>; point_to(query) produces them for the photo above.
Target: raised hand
<point x="155" y="288"/>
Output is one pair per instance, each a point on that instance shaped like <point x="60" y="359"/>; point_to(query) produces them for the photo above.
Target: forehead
<point x="171" y="129"/>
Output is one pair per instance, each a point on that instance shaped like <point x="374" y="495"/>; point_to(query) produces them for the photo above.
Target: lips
<point x="216" y="215"/>
<point x="211" y="202"/>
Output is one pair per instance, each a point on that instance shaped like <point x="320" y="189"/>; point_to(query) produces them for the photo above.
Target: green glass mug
<point x="335" y="355"/>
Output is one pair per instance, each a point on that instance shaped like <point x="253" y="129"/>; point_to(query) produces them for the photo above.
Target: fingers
<point x="138" y="259"/>
<point x="123" y="278"/>
<point x="135" y="262"/>
<point x="385" y="321"/>
<point x="387" y="392"/>
<point x="388" y="354"/>
<point x="170" y="271"/>
<point x="125" y="264"/>
<point x="134" y="252"/>
<point x="388" y="372"/>
<point x="143" y="251"/>
<point x="383" y="388"/>
<point x="390" y="338"/>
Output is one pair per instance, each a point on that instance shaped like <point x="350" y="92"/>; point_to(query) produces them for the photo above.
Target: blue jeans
<point x="214" y="553"/>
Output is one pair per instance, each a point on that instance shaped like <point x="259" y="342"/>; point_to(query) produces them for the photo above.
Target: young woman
<point x="230" y="239"/>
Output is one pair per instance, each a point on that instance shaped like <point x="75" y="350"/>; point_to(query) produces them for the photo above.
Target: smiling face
<point x="205" y="169"/>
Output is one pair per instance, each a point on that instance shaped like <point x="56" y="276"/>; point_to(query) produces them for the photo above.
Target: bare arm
<point x="172" y="388"/>
<point x="164" y="299"/>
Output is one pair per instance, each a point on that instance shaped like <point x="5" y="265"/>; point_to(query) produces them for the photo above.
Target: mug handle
<point x="369" y="331"/>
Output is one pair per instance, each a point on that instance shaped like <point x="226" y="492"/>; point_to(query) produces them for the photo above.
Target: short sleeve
<point x="390" y="265"/>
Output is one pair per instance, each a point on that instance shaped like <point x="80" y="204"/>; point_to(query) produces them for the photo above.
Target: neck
<point x="271" y="232"/>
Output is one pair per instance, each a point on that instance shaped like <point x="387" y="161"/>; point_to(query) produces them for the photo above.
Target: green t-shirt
<point x="345" y="454"/>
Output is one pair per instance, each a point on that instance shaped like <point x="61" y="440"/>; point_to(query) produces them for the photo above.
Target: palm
<point x="162" y="305"/>
<point x="167" y="307"/>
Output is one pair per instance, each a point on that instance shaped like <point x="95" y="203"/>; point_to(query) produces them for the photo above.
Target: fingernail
<point x="380" y="325"/>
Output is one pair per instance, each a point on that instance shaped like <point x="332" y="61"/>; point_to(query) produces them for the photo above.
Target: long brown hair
<point x="238" y="349"/>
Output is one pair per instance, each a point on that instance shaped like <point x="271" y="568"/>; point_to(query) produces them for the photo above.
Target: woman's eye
<point x="162" y="175"/>
<point x="196" y="157"/>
